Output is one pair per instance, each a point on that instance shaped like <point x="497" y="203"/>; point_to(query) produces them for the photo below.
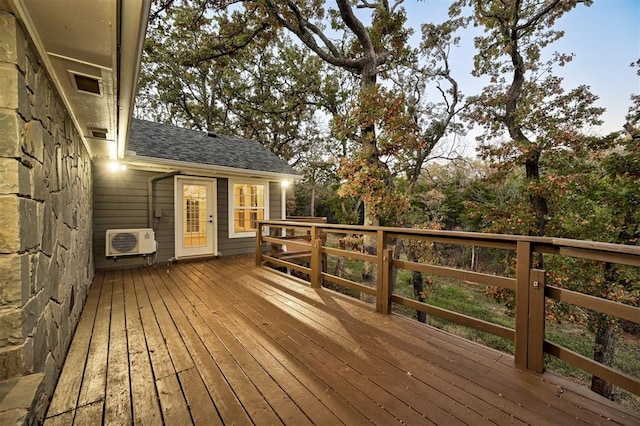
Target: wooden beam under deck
<point x="225" y="341"/>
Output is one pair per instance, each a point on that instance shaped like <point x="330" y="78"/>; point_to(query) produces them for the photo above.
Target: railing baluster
<point x="381" y="245"/>
<point x="384" y="292"/>
<point x="259" y="244"/>
<point x="316" y="267"/>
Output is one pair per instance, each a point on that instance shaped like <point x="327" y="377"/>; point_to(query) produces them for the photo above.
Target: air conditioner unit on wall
<point x="126" y="242"/>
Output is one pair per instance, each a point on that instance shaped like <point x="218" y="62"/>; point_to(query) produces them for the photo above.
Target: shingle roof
<point x="167" y="142"/>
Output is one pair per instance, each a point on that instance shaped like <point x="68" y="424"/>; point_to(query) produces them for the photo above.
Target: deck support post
<point x="259" y="244"/>
<point x="523" y="268"/>
<point x="535" y="356"/>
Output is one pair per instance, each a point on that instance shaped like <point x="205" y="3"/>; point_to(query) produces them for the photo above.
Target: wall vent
<point x="98" y="133"/>
<point x="86" y="84"/>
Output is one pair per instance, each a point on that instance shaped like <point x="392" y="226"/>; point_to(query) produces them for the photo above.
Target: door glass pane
<point x="195" y="215"/>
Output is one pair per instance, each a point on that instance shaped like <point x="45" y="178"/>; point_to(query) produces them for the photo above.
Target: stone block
<point x="57" y="203"/>
<point x="9" y="224"/>
<point x="13" y="90"/>
<point x="51" y="374"/>
<point x="32" y="65"/>
<point x="66" y="331"/>
<point x="25" y="100"/>
<point x="12" y="274"/>
<point x="21" y="400"/>
<point x="47" y="242"/>
<point x="39" y="182"/>
<point x="27" y="355"/>
<point x="70" y="215"/>
<point x="19" y="392"/>
<point x="64" y="235"/>
<point x="31" y="315"/>
<point x="12" y="41"/>
<point x="39" y="87"/>
<point x="11" y="132"/>
<point x="51" y="329"/>
<point x="15" y="177"/>
<point x="11" y="361"/>
<point x="34" y="140"/>
<point x="42" y="273"/>
<point x="29" y="238"/>
<point x="9" y="176"/>
<point x="10" y="327"/>
<point x="56" y="313"/>
<point x="48" y="143"/>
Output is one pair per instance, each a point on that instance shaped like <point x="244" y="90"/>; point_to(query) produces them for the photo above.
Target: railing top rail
<point x="539" y="242"/>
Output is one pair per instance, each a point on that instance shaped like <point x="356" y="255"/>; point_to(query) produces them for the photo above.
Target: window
<point x="248" y="204"/>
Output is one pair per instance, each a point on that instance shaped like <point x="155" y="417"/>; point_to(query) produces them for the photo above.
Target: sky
<point x="604" y="37"/>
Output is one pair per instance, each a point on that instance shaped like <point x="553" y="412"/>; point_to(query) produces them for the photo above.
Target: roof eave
<point x="134" y="17"/>
<point x="143" y="162"/>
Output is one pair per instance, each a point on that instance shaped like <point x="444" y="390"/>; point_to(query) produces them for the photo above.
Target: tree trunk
<point x="474" y="258"/>
<point x="339" y="269"/>
<point x="604" y="352"/>
<point x="418" y="286"/>
<point x="369" y="146"/>
<point x="369" y="243"/>
<point x="312" y="208"/>
<point x="606" y="330"/>
<point x="418" y="292"/>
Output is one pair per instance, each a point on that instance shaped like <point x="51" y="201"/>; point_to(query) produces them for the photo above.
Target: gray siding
<point x="275" y="200"/>
<point x="120" y="202"/>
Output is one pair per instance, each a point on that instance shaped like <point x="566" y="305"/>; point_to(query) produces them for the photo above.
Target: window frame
<point x="232" y="207"/>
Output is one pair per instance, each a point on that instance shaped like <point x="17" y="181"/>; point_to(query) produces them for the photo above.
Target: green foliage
<point x="229" y="71"/>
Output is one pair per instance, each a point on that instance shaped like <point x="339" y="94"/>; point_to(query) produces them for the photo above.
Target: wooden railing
<point x="528" y="283"/>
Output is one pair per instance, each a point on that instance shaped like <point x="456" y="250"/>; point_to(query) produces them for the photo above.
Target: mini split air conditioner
<point x="126" y="242"/>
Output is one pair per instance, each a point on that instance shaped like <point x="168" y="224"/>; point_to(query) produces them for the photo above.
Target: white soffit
<point x="81" y="37"/>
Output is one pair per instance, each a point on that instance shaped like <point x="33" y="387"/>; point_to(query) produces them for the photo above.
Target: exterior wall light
<point x="113" y="166"/>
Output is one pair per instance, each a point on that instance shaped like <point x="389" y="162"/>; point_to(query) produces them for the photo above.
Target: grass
<point x="472" y="300"/>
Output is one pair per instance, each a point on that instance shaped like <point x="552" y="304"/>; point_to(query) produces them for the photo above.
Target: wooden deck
<point x="225" y="342"/>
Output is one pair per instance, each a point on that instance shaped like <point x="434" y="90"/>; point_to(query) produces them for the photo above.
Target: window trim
<point x="231" y="201"/>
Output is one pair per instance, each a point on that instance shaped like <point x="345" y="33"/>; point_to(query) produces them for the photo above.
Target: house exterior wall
<point x="120" y="202"/>
<point x="46" y="260"/>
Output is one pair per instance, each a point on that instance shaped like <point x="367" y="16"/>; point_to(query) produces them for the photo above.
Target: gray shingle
<point x="168" y="142"/>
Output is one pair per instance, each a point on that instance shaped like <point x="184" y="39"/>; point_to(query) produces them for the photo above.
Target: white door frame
<point x="211" y="246"/>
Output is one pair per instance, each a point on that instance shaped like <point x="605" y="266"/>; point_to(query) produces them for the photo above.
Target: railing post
<point x="384" y="292"/>
<point x="316" y="260"/>
<point x="259" y="244"/>
<point x="524" y="257"/>
<point x="535" y="357"/>
<point x="381" y="246"/>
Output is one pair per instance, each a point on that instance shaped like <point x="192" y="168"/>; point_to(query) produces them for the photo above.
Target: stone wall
<point x="46" y="209"/>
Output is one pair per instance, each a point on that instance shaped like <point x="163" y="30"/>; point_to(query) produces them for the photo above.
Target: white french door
<point x="196" y="219"/>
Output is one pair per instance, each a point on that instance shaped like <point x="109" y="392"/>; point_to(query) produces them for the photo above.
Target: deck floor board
<point x="223" y="341"/>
